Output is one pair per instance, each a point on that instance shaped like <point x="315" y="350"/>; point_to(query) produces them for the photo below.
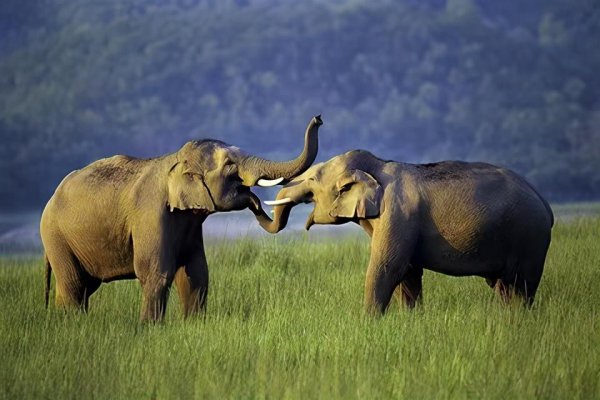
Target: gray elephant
<point x="125" y="218"/>
<point x="452" y="217"/>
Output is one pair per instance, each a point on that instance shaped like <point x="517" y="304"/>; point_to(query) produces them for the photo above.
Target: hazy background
<point x="515" y="83"/>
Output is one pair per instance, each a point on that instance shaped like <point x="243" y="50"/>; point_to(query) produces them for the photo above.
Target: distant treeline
<point x="509" y="82"/>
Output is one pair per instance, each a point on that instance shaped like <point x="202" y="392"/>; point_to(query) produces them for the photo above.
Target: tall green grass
<point x="285" y="320"/>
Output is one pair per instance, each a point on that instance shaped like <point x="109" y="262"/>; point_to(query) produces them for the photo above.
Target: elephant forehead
<point x="333" y="170"/>
<point x="218" y="157"/>
<point x="204" y="155"/>
<point x="313" y="173"/>
<point x="233" y="153"/>
<point x="221" y="155"/>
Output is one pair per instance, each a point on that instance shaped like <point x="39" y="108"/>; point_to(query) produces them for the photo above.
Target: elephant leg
<point x="524" y="288"/>
<point x="529" y="274"/>
<point x="191" y="281"/>
<point x="507" y="288"/>
<point x="155" y="267"/>
<point x="388" y="266"/>
<point x="155" y="277"/>
<point x="155" y="292"/>
<point x="379" y="286"/>
<point x="503" y="290"/>
<point x="74" y="285"/>
<point x="410" y="289"/>
<point x="383" y="276"/>
<point x="522" y="277"/>
<point x="525" y="265"/>
<point x="75" y="291"/>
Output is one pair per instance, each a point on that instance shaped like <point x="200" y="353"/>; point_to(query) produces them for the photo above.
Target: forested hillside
<point x="512" y="82"/>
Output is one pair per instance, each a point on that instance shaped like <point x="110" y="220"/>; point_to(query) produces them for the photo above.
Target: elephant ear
<point x="187" y="190"/>
<point x="359" y="196"/>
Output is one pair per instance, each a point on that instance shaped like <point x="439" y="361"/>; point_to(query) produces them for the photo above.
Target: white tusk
<point x="287" y="200"/>
<point x="269" y="182"/>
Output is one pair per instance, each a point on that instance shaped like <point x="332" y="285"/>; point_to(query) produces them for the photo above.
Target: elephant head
<point x="343" y="189"/>
<point x="209" y="175"/>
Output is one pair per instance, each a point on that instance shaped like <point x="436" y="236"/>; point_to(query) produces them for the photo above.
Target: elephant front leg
<point x="381" y="281"/>
<point x="389" y="265"/>
<point x="155" y="297"/>
<point x="191" y="281"/>
<point x="156" y="277"/>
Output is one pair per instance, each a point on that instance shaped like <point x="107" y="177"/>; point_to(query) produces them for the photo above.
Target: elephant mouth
<point x="253" y="201"/>
<point x="245" y="191"/>
<point x="289" y="202"/>
<point x="291" y="195"/>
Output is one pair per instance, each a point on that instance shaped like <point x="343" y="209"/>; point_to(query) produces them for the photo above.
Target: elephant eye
<point x="345" y="188"/>
<point x="192" y="175"/>
<point x="230" y="169"/>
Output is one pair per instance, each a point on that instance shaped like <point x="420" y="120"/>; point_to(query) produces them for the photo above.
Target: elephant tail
<point x="48" y="276"/>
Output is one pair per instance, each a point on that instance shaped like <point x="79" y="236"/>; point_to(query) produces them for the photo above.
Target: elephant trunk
<point x="281" y="215"/>
<point x="287" y="198"/>
<point x="268" y="173"/>
<point x="280" y="219"/>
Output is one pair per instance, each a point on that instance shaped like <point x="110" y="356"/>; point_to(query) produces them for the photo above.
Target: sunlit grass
<point x="285" y="320"/>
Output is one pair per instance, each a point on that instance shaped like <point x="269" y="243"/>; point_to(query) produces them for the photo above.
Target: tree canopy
<point x="512" y="83"/>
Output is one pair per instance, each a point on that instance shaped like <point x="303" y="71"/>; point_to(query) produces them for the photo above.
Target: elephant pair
<point x="124" y="218"/>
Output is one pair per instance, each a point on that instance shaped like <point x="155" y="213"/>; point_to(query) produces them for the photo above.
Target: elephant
<point x="126" y="218"/>
<point x="453" y="217"/>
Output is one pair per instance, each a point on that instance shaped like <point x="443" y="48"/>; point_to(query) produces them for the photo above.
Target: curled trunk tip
<point x="260" y="168"/>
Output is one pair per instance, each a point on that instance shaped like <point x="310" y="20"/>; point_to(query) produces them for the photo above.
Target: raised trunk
<point x="254" y="168"/>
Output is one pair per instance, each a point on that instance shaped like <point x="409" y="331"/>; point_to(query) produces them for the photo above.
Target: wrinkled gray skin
<point x="452" y="217"/>
<point x="122" y="218"/>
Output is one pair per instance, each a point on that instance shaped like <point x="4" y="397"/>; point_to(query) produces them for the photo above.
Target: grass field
<point x="285" y="320"/>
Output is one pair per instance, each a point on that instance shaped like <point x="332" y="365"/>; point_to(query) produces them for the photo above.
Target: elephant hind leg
<point x="409" y="291"/>
<point x="526" y="288"/>
<point x="74" y="285"/>
<point x="525" y="264"/>
<point x="520" y="287"/>
<point x="530" y="273"/>
<point x="75" y="291"/>
<point x="491" y="282"/>
<point x="502" y="290"/>
<point x="522" y="276"/>
<point x="521" y="284"/>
